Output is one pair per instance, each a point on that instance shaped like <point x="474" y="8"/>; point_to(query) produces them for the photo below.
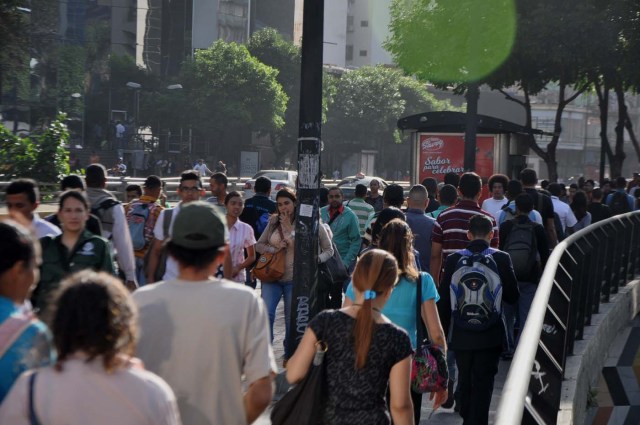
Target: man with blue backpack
<point x="142" y="215"/>
<point x="474" y="283"/>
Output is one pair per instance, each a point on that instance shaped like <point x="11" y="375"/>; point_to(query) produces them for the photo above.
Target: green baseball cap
<point x="200" y="225"/>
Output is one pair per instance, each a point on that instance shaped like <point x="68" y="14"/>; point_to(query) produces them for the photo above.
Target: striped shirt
<point x="363" y="211"/>
<point x="240" y="237"/>
<point x="452" y="225"/>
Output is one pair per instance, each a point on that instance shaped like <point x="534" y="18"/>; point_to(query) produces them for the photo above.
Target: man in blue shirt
<point x="616" y="208"/>
<point x="25" y="342"/>
<point x="420" y="223"/>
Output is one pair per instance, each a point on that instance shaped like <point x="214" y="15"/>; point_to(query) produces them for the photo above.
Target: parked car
<point x="348" y="184"/>
<point x="279" y="180"/>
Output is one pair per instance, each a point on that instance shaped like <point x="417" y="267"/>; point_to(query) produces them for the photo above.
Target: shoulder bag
<point x="332" y="273"/>
<point x="270" y="266"/>
<point x="429" y="372"/>
<point x="304" y="403"/>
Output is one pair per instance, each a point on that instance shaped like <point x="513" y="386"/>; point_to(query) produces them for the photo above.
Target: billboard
<point x="440" y="154"/>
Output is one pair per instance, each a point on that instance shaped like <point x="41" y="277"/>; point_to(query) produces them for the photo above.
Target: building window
<point x="364" y="23"/>
<point x="349" y="53"/>
<point x="363" y="53"/>
<point x="349" y="23"/>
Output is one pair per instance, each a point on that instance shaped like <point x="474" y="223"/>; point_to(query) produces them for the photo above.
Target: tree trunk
<point x="472" y="95"/>
<point x="619" y="155"/>
<point x="602" y="90"/>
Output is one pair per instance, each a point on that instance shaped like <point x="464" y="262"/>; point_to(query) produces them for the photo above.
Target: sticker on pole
<point x="306" y="210"/>
<point x="308" y="171"/>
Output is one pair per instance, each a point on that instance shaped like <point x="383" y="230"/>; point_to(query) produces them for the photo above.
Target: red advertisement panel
<point x="444" y="153"/>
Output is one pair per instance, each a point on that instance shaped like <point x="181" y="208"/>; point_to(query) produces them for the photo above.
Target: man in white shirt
<point x="564" y="211"/>
<point x="202" y="168"/>
<point x="23" y="196"/>
<point x="189" y="190"/>
<point x="204" y="335"/>
<point x="497" y="187"/>
<point x="110" y="212"/>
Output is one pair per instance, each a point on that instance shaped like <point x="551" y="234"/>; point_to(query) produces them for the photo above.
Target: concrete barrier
<point x="585" y="365"/>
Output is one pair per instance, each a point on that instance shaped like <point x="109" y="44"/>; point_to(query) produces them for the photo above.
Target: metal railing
<point x="582" y="271"/>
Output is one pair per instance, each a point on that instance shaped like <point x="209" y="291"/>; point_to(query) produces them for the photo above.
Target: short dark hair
<point x="555" y="189"/>
<point x="514" y="188"/>
<point x="524" y="203"/>
<point x="452" y="179"/>
<point x="393" y="195"/>
<point x="220" y="178"/>
<point x="448" y="194"/>
<point x="480" y="226"/>
<point x="432" y="186"/>
<point x="591" y="181"/>
<point x="336" y="188"/>
<point x="190" y="175"/>
<point x="360" y="191"/>
<point x="95" y="175"/>
<point x="75" y="194"/>
<point x="16" y="244"/>
<point x="470" y="185"/>
<point x="262" y="185"/>
<point x="621" y="182"/>
<point x="544" y="184"/>
<point x="197" y="258"/>
<point x="94" y="313"/>
<point x="152" y="182"/>
<point x="528" y="177"/>
<point x="597" y="193"/>
<point x="498" y="178"/>
<point x="573" y="186"/>
<point x="72" y="181"/>
<point x="385" y="216"/>
<point x="136" y="187"/>
<point x="232" y="194"/>
<point x="27" y="186"/>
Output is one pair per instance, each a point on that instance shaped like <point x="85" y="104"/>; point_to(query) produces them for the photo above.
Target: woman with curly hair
<point x="95" y="379"/>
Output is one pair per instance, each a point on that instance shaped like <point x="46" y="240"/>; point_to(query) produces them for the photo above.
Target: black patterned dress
<point x="357" y="396"/>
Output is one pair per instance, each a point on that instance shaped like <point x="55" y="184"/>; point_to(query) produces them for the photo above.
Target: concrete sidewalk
<point x="440" y="417"/>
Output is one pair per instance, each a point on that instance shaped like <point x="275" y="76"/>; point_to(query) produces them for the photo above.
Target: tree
<point x="270" y="48"/>
<point x="232" y="93"/>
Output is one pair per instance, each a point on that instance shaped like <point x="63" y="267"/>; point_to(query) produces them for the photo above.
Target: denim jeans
<point x="272" y="292"/>
<point x="140" y="276"/>
<point x="509" y="312"/>
<point x="527" y="292"/>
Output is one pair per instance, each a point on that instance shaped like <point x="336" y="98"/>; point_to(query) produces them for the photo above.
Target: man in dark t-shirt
<point x="541" y="203"/>
<point x="596" y="208"/>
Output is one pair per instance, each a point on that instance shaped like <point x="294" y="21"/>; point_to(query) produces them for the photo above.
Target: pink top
<point x="240" y="237"/>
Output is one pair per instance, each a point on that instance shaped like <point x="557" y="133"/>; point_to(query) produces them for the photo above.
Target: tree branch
<point x="511" y="98"/>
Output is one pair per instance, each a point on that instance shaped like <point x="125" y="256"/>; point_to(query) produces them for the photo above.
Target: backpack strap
<point x="33" y="418"/>
<point x="166" y="222"/>
<point x="11" y="330"/>
<point x="421" y="332"/>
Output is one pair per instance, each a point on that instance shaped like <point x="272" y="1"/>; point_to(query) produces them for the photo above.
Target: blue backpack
<point x="137" y="217"/>
<point x="476" y="291"/>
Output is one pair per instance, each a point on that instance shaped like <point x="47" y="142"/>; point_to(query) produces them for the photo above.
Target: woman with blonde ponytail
<point x="365" y="351"/>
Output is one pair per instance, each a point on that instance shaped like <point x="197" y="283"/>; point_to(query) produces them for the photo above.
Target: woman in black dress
<point x="365" y="351"/>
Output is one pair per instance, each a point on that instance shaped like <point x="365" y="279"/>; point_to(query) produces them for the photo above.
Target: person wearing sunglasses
<point x="189" y="190"/>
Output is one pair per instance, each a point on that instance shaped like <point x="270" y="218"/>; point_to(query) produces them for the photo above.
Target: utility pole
<point x="305" y="269"/>
<point x="472" y="95"/>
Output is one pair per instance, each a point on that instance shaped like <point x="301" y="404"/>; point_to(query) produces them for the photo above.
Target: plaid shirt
<point x="151" y="221"/>
<point x="452" y="225"/>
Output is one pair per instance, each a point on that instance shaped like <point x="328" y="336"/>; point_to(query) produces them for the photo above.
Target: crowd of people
<point x="143" y="313"/>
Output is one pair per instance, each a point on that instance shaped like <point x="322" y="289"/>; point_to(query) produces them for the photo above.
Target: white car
<point x="279" y="180"/>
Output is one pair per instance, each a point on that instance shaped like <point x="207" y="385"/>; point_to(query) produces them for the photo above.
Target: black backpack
<point x="619" y="203"/>
<point x="522" y="246"/>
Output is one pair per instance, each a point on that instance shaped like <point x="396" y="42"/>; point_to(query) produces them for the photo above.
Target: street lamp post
<point x="78" y="96"/>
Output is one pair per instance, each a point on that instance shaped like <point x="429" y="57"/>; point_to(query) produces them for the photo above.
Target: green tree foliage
<point x="230" y="92"/>
<point x="270" y="48"/>
<point x="365" y="107"/>
<point x="42" y="157"/>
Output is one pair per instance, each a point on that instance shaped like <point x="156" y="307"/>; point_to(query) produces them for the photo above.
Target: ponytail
<point x="375" y="273"/>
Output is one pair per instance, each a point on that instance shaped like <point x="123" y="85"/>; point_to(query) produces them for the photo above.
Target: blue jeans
<point x="509" y="312"/>
<point x="142" y="279"/>
<point x="527" y="292"/>
<point x="272" y="292"/>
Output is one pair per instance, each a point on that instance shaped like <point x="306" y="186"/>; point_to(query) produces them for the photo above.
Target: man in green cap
<point x="203" y="334"/>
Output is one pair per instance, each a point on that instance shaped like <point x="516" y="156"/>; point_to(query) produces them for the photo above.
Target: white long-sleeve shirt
<point x="122" y="242"/>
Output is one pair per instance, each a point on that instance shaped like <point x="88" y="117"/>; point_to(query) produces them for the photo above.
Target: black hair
<point x="16" y="244"/>
<point x="27" y="186"/>
<point x="480" y="226"/>
<point x="75" y="194"/>
<point x="514" y="188"/>
<point x="621" y="182"/>
<point x="544" y="184"/>
<point x="232" y="194"/>
<point x="262" y="185"/>
<point x="528" y="177"/>
<point x="286" y="193"/>
<point x="579" y="204"/>
<point x="95" y="175"/>
<point x="452" y="179"/>
<point x="432" y="186"/>
<point x="597" y="193"/>
<point x="360" y="191"/>
<point x="385" y="216"/>
<point x="573" y="186"/>
<point x="470" y="185"/>
<point x="135" y="187"/>
<point x="555" y="189"/>
<point x="323" y="197"/>
<point x="197" y="258"/>
<point x="498" y="178"/>
<point x="191" y="175"/>
<point x="448" y="194"/>
<point x="524" y="203"/>
<point x="336" y="188"/>
<point x="393" y="195"/>
<point x="220" y="178"/>
<point x="72" y="181"/>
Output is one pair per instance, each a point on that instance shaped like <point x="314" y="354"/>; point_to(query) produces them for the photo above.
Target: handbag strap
<point x="33" y="418"/>
<point x="422" y="333"/>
